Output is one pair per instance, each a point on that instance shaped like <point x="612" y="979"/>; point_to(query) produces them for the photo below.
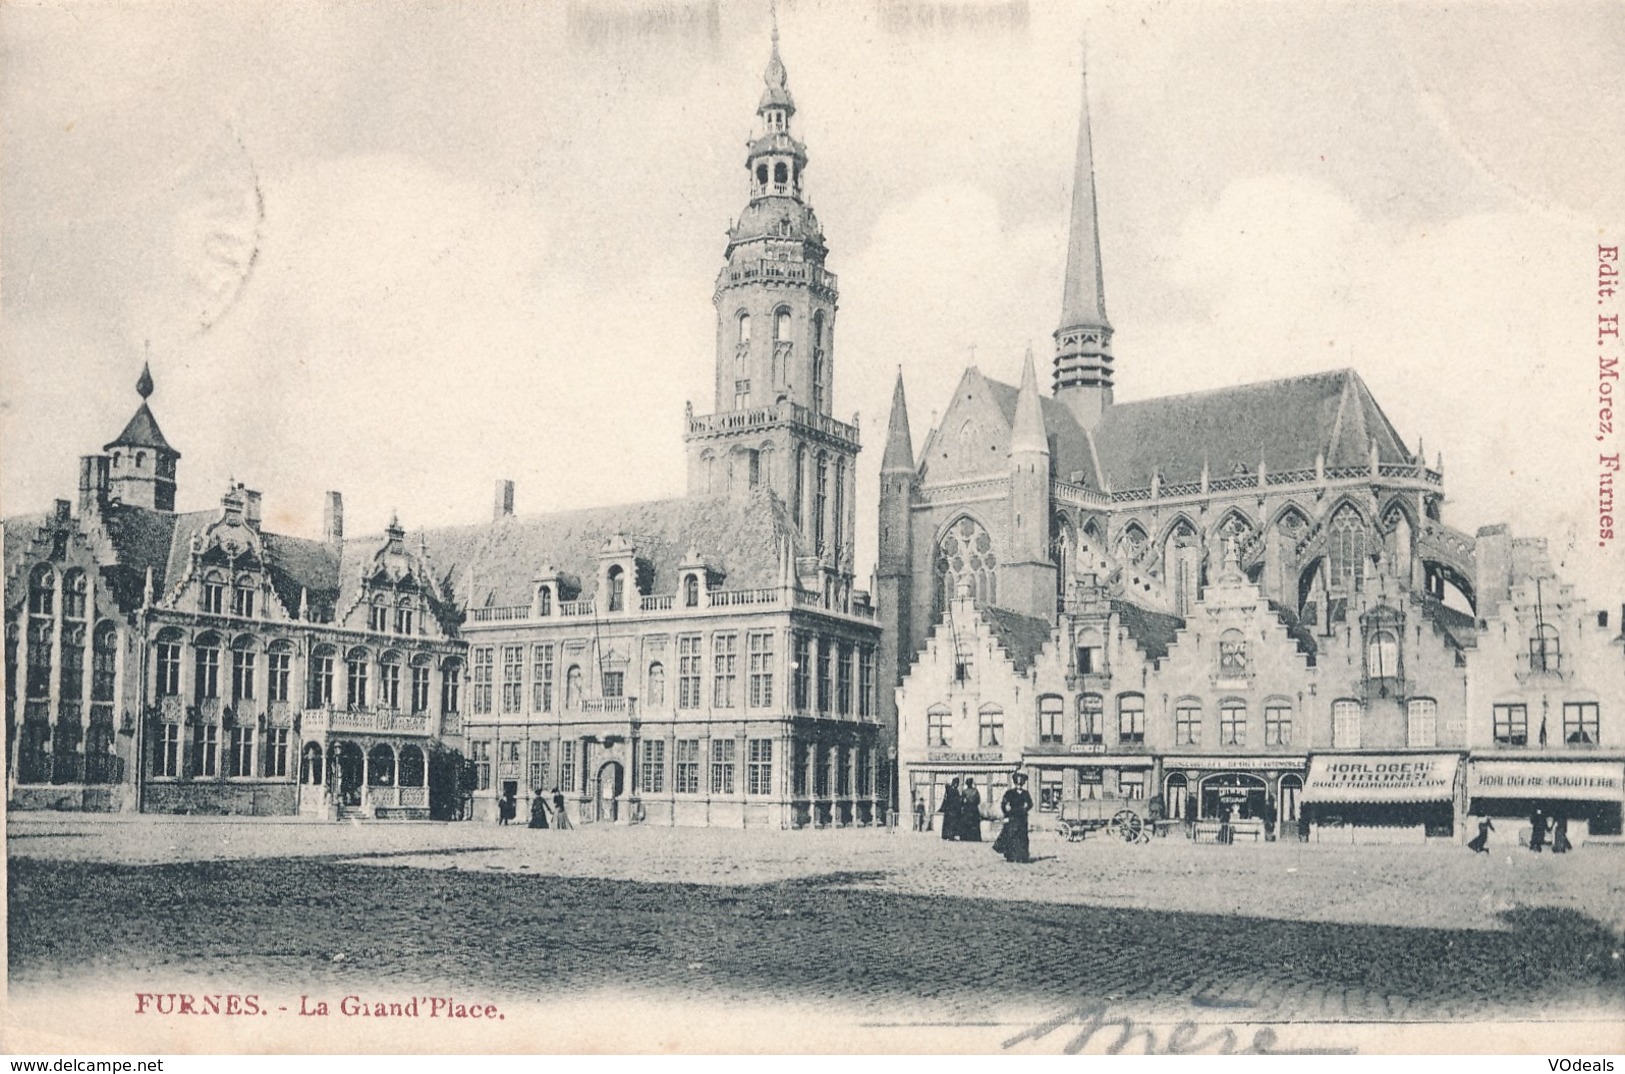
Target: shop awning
<point x="1427" y="777"/>
<point x="1586" y="781"/>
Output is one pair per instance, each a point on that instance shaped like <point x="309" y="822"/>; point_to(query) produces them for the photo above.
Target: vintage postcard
<point x="958" y="526"/>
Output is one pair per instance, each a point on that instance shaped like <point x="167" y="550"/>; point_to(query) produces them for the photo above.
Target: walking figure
<point x="561" y="819"/>
<point x="538" y="811"/>
<point x="1016" y="804"/>
<point x="1481" y="842"/>
<point x="1537" y="831"/>
<point x="970" y="812"/>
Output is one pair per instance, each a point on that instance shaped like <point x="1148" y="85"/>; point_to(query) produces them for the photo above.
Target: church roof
<point x="1285" y="423"/>
<point x="142" y="431"/>
<point x="1070" y="448"/>
<point x="496" y="563"/>
<point x="1022" y="637"/>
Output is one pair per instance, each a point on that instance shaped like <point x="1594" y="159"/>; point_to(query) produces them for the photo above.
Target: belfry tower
<point x="1083" y="342"/>
<point x="775" y="363"/>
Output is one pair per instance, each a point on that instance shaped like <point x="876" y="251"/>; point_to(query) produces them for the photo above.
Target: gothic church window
<point x="965" y="553"/>
<point x="42" y="591"/>
<point x="1345" y="544"/>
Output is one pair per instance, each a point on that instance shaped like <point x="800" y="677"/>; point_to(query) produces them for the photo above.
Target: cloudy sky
<point x="406" y="249"/>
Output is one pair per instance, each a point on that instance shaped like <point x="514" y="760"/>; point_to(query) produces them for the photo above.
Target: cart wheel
<point x="1127" y="825"/>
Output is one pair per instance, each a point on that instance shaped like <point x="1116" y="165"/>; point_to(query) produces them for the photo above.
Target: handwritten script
<point x="1089" y="1021"/>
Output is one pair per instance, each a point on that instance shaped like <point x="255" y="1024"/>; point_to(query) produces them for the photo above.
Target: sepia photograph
<point x="969" y="527"/>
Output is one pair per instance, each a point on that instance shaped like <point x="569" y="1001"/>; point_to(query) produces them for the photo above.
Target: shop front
<point x="1087" y="777"/>
<point x="927" y="780"/>
<point x="1587" y="794"/>
<point x="1382" y="798"/>
<point x="1234" y="788"/>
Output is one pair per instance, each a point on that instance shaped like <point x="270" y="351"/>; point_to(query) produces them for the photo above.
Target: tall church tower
<point x="1083" y="343"/>
<point x="775" y="366"/>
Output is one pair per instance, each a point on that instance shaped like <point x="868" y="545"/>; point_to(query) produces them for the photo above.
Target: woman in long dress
<point x="1016" y="804"/>
<point x="538" y="811"/>
<point x="970" y="812"/>
<point x="561" y="819"/>
<point x="950" y="810"/>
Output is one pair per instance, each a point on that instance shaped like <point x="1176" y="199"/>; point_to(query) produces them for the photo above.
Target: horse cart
<point x="1127" y="819"/>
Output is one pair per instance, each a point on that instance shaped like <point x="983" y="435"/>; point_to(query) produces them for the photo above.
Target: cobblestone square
<point x="892" y="929"/>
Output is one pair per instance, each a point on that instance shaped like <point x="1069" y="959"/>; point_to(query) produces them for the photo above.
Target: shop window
<point x="1291" y="793"/>
<point x="1580" y="723"/>
<point x="990" y="726"/>
<point x="1277" y="724"/>
<point x="1545" y="650"/>
<point x="1091" y="782"/>
<point x="1131" y="785"/>
<point x="1346" y="725"/>
<point x="1131" y="719"/>
<point x="1091" y="719"/>
<point x="1177" y="790"/>
<point x="1512" y="725"/>
<point x="1050" y="715"/>
<point x="937" y="733"/>
<point x="1049" y="790"/>
<point x="1232" y="723"/>
<point x="1421" y="722"/>
<point x="1188" y="724"/>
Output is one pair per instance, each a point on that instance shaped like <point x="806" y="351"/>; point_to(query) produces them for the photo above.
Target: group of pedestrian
<point x="1538" y="830"/>
<point x="961" y="811"/>
<point x="540" y="811"/>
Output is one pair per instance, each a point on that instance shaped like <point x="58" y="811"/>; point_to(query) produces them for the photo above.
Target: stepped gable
<point x="1153" y="631"/>
<point x="1296" y="631"/>
<point x="1022" y="637"/>
<point x="1286" y="423"/>
<point x="1460" y="629"/>
<point x="742" y="538"/>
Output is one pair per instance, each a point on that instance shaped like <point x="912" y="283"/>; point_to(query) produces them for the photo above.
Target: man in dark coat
<point x="970" y="812"/>
<point x="950" y="810"/>
<point x="1537" y="831"/>
<point x="1016" y="804"/>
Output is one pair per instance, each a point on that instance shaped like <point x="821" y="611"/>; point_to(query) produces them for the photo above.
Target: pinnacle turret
<point x="899" y="456"/>
<point x="1027" y="432"/>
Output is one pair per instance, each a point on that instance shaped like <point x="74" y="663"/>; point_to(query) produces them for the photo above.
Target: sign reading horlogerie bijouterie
<point x="1594" y="781"/>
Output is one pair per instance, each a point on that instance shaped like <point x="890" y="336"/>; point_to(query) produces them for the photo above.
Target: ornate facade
<point x="1226" y="599"/>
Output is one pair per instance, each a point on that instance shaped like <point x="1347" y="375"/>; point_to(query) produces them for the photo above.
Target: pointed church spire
<point x="777" y="94"/>
<point x="1083" y="354"/>
<point x="899" y="456"/>
<point x="1027" y="432"/>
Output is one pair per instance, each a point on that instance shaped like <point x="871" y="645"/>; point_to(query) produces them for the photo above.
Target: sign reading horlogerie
<point x="1378" y="778"/>
<point x="1593" y="781"/>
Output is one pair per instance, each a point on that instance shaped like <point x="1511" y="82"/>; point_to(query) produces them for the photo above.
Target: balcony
<point x="765" y="417"/>
<point x="499" y="615"/>
<point x="787" y="271"/>
<point x="380" y="720"/>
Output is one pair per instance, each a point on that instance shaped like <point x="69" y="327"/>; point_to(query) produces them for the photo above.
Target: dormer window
<point x="378" y="616"/>
<point x="1545" y="649"/>
<point x="403" y="617"/>
<point x="691" y="591"/>
<point x="617" y="589"/>
<point x="242" y="598"/>
<point x="544" y="601"/>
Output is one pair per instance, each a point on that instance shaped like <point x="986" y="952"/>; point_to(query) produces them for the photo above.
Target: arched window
<point x="1050" y="716"/>
<point x="544" y="601"/>
<point x="378" y="618"/>
<point x="104" y="661"/>
<point x="214" y="593"/>
<point x="820" y="501"/>
<point x="799" y="479"/>
<point x="42" y="591"/>
<point x="691" y="591"/>
<point x="405" y="616"/>
<point x="1345" y="543"/>
<point x="819" y="360"/>
<point x="206" y="680"/>
<point x="381" y="766"/>
<point x="413" y="769"/>
<point x="73" y="594"/>
<point x="781" y="326"/>
<point x="242" y="669"/>
<point x="937" y="731"/>
<point x="1061" y="541"/>
<point x="1545" y="649"/>
<point x="1131" y="719"/>
<point x="356" y="666"/>
<point x="654" y="695"/>
<point x="242" y="597"/>
<point x="310" y="765"/>
<point x="320" y="684"/>
<point x="1382" y="655"/>
<point x="1232" y="655"/>
<point x="1176" y="794"/>
<point x="781" y="173"/>
<point x="965" y="553"/>
<point x="389" y="680"/>
<point x="990" y="726"/>
<point x="1091" y="720"/>
<point x="744" y="329"/>
<point x="617" y="588"/>
<point x="572" y="687"/>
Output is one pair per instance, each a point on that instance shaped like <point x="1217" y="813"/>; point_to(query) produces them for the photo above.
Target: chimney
<point x="251" y="507"/>
<point x="504" y="501"/>
<point x="333" y="518"/>
<point x="93" y="483"/>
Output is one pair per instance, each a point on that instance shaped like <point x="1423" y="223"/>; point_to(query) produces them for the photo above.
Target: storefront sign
<point x="965" y="757"/>
<point x="1087" y="747"/>
<point x="1382" y="778"/>
<point x="1248" y="763"/>
<point x="1590" y="781"/>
